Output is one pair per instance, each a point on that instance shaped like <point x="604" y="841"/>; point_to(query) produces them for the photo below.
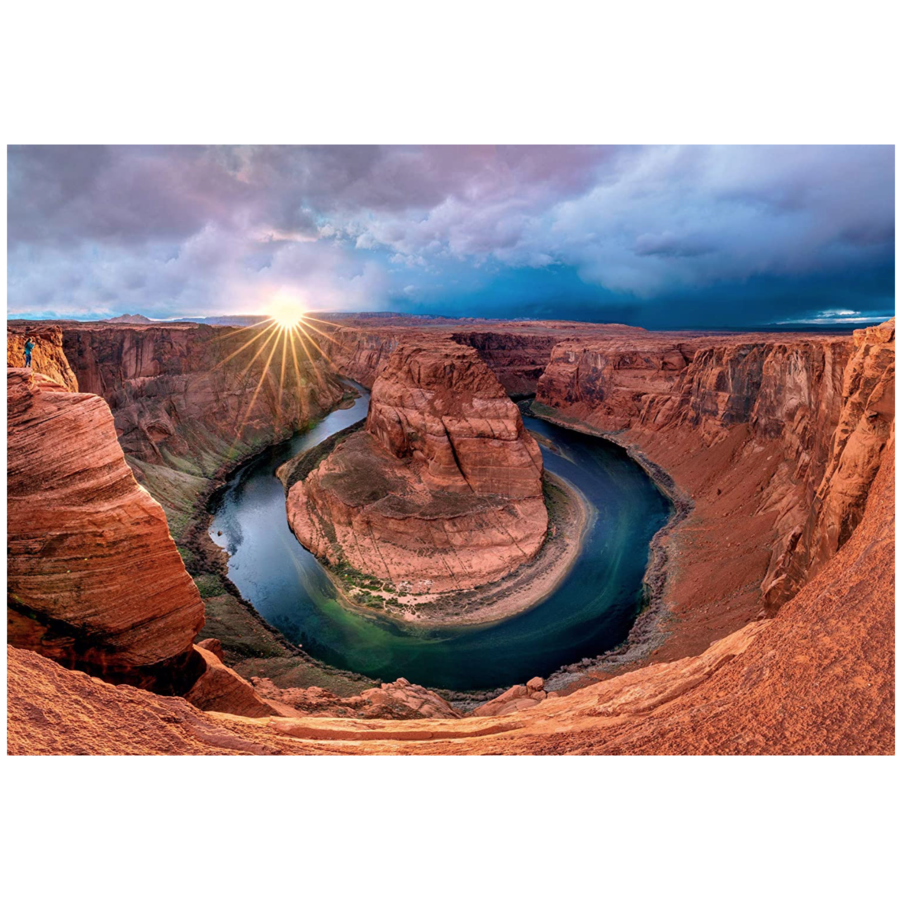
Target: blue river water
<point x="591" y="611"/>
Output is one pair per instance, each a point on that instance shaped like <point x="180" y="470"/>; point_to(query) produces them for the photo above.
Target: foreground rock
<point x="441" y="492"/>
<point x="423" y="703"/>
<point x="94" y="579"/>
<point x="518" y="697"/>
<point x="55" y="711"/>
<point x="394" y="700"/>
<point x="221" y="689"/>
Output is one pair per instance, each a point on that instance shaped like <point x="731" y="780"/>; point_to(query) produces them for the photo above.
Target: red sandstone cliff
<point x="48" y="357"/>
<point x="94" y="579"/>
<point x="442" y="491"/>
<point x="189" y="399"/>
<point x="516" y="352"/>
<point x="855" y="454"/>
<point x="517" y="358"/>
<point x="750" y="427"/>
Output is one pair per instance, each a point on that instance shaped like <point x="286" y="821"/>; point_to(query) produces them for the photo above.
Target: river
<point x="590" y="612"/>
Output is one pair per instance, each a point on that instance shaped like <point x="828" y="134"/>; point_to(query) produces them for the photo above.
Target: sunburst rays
<point x="288" y="342"/>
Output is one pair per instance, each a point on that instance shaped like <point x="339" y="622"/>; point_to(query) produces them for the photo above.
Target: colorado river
<point x="590" y="612"/>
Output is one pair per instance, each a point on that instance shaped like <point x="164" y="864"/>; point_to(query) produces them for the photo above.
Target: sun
<point x="288" y="318"/>
<point x="287" y="314"/>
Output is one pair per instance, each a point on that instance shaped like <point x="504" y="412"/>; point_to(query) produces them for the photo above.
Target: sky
<point x="663" y="237"/>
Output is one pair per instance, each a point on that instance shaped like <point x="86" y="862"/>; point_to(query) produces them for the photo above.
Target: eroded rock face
<point x="856" y="453"/>
<point x="56" y="711"/>
<point x="188" y="399"/>
<point x="750" y="426"/>
<point x="94" y="579"/>
<point x="220" y="689"/>
<point x="47" y="358"/>
<point x="442" y="491"/>
<point x="515" y="699"/>
<point x="362" y="355"/>
<point x="516" y="352"/>
<point x="517" y="359"/>
<point x="402" y="696"/>
<point x="439" y="405"/>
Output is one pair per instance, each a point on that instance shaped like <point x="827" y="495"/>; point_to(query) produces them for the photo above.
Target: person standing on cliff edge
<point x="29" y="346"/>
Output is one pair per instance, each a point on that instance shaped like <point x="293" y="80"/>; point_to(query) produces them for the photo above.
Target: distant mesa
<point x="130" y="319"/>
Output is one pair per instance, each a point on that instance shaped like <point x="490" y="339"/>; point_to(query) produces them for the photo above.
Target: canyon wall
<point x="362" y="354"/>
<point x="853" y="457"/>
<point x="48" y="357"/>
<point x="516" y="352"/>
<point x="775" y="438"/>
<point x="517" y="359"/>
<point x="442" y="491"/>
<point x="94" y="579"/>
<point x="190" y="399"/>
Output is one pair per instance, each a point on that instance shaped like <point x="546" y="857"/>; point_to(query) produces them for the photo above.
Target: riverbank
<point x="252" y="646"/>
<point x="650" y="628"/>
<point x="570" y="517"/>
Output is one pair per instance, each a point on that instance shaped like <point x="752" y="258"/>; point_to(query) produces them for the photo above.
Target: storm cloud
<point x="667" y="235"/>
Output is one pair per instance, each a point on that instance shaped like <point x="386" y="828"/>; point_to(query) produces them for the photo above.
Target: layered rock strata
<point x="754" y="428"/>
<point x="188" y="400"/>
<point x="442" y="491"/>
<point x="94" y="578"/>
<point x="855" y="455"/>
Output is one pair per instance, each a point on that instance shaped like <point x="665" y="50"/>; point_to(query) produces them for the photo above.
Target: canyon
<point x="774" y="627"/>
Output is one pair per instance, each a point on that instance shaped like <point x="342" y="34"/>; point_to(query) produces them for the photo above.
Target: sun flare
<point x="287" y="314"/>
<point x="288" y="317"/>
